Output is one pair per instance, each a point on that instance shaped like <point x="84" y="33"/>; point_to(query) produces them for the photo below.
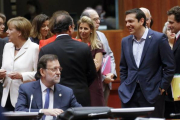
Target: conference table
<point x="84" y="113"/>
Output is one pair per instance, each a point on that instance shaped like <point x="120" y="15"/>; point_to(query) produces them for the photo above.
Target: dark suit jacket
<point x="78" y="66"/>
<point x="63" y="102"/>
<point x="3" y="41"/>
<point x="176" y="51"/>
<point x="155" y="71"/>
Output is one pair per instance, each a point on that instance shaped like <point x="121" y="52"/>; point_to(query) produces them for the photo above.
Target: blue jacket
<point x="155" y="71"/>
<point x="65" y="101"/>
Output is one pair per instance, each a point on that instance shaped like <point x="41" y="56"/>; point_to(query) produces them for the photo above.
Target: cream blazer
<point x="24" y="62"/>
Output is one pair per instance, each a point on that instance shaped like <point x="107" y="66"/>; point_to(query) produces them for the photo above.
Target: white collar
<point x="61" y="35"/>
<point x="43" y="87"/>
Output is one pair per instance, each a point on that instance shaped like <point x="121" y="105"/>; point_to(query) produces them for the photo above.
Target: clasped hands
<point x="12" y="75"/>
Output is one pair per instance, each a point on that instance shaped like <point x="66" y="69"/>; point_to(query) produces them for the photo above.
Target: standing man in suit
<point x="146" y="66"/>
<point x="108" y="78"/>
<point x="174" y="25"/>
<point x="75" y="57"/>
<point x="49" y="97"/>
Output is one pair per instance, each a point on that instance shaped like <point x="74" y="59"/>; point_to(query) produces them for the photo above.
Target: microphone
<point x="30" y="102"/>
<point x="174" y="114"/>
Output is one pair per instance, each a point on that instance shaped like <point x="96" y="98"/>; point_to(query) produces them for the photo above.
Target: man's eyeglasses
<point x="55" y="69"/>
<point x="147" y="19"/>
<point x="96" y="19"/>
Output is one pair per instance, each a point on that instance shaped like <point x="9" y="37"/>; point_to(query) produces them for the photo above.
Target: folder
<point x="175" y="87"/>
<point x="106" y="65"/>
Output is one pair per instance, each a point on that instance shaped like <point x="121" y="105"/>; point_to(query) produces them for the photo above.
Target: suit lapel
<point x="176" y="45"/>
<point x="130" y="40"/>
<point x="23" y="49"/>
<point x="146" y="45"/>
<point x="57" y="96"/>
<point x="38" y="94"/>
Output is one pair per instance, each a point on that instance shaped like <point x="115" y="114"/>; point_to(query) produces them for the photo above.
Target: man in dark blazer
<point x="60" y="97"/>
<point x="3" y="41"/>
<point x="146" y="66"/>
<point x="75" y="57"/>
<point x="174" y="25"/>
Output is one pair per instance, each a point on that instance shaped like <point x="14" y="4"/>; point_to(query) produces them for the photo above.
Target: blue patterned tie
<point x="46" y="104"/>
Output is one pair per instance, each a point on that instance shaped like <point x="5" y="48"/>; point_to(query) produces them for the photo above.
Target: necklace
<point x="17" y="49"/>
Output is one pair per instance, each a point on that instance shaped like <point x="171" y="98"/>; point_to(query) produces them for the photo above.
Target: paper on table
<point x="175" y="87"/>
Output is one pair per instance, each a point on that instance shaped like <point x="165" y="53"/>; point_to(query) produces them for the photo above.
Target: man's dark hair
<point x="53" y="18"/>
<point x="43" y="63"/>
<point x="139" y="14"/>
<point x="62" y="23"/>
<point x="176" y="12"/>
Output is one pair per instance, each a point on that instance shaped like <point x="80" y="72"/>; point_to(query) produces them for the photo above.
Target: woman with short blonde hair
<point x="19" y="63"/>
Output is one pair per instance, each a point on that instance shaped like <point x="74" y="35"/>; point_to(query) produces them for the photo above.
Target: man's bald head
<point x="148" y="16"/>
<point x="91" y="13"/>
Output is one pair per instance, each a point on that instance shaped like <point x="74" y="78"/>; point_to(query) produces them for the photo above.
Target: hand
<point x="109" y="78"/>
<point x="2" y="73"/>
<point x="161" y="90"/>
<point x="52" y="112"/>
<point x="15" y="75"/>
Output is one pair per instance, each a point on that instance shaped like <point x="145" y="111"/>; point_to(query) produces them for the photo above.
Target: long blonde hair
<point x="95" y="43"/>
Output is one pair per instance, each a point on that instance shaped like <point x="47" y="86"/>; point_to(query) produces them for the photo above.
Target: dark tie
<point x="46" y="104"/>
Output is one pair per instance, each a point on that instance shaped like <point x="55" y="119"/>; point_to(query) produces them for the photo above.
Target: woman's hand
<point x="15" y="75"/>
<point x="2" y="73"/>
<point x="109" y="78"/>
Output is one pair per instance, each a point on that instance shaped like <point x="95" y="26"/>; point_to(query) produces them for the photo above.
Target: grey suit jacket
<point x="104" y="40"/>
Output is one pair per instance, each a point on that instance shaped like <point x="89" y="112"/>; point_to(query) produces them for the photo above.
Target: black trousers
<point x="8" y="106"/>
<point x="138" y="100"/>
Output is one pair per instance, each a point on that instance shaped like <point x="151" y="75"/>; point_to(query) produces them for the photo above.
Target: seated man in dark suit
<point x="46" y="95"/>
